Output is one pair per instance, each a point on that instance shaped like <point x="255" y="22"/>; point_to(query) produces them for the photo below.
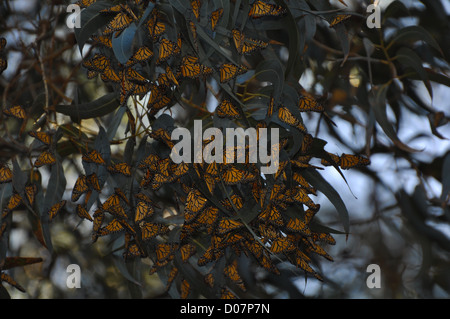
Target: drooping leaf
<point x="333" y="196"/>
<point x="410" y="59"/>
<point x="100" y="107"/>
<point x="413" y="34"/>
<point x="379" y="105"/>
<point x="123" y="44"/>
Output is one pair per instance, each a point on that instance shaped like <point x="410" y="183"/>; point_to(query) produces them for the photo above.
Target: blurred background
<point x="398" y="206"/>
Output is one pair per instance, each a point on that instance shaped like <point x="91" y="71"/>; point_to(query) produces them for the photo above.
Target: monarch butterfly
<point x="143" y="210"/>
<point x="55" y="209"/>
<point x="229" y="71"/>
<point x="190" y="67"/>
<point x="195" y="201"/>
<point x="155" y="104"/>
<point x="196" y="4"/>
<point x="167" y="49"/>
<point x="350" y="161"/>
<point x="114" y="226"/>
<point x="246" y="45"/>
<point x="317" y="249"/>
<point x="85" y="3"/>
<point x="325" y="237"/>
<point x="165" y="251"/>
<point x="99" y="216"/>
<point x="145" y="198"/>
<point x="82" y="212"/>
<point x="306" y="143"/>
<point x="303" y="183"/>
<point x="168" y="78"/>
<point x="226" y="225"/>
<point x="93" y="156"/>
<point x="231" y="271"/>
<point x="209" y="280"/>
<point x="110" y="75"/>
<point x="266" y="262"/>
<point x="215" y="17"/>
<point x="41" y="136"/>
<point x="181" y="169"/>
<point x="208" y="217"/>
<point x="93" y="181"/>
<point x="16" y="111"/>
<point x="227" y="109"/>
<point x="133" y="250"/>
<point x="186" y="251"/>
<point x="210" y="182"/>
<point x="307" y="103"/>
<point x="158" y="180"/>
<point x="233" y="176"/>
<point x="142" y="54"/>
<point x="46" y="158"/>
<point x="339" y="18"/>
<point x="150" y="162"/>
<point x="271" y="214"/>
<point x="163" y="165"/>
<point x="185" y="289"/>
<point x="98" y="63"/>
<point x="298" y="225"/>
<point x="149" y="230"/>
<point x="121" y="195"/>
<point x="121" y="168"/>
<point x="261" y="9"/>
<point x="119" y="22"/>
<point x="5" y="174"/>
<point x="287" y="117"/>
<point x="193" y="28"/>
<point x="225" y="293"/>
<point x="347" y="161"/>
<point x="212" y="169"/>
<point x="80" y="187"/>
<point x="133" y="76"/>
<point x="14" y="202"/>
<point x="155" y="28"/>
<point x="30" y="192"/>
<point x="102" y="40"/>
<point x="300" y="196"/>
<point x="206" y="257"/>
<point x="173" y="273"/>
<point x="237" y="201"/>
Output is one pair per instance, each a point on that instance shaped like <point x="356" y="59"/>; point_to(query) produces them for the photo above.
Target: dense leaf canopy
<point x="86" y="136"/>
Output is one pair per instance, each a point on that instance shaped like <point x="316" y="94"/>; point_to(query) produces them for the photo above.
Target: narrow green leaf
<point x="314" y="177"/>
<point x="100" y="107"/>
<point x="19" y="177"/>
<point x="342" y="34"/>
<point x="56" y="186"/>
<point x="379" y="105"/>
<point x="415" y="33"/>
<point x="409" y="58"/>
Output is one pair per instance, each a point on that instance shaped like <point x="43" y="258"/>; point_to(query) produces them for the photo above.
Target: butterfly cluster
<point x="223" y="211"/>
